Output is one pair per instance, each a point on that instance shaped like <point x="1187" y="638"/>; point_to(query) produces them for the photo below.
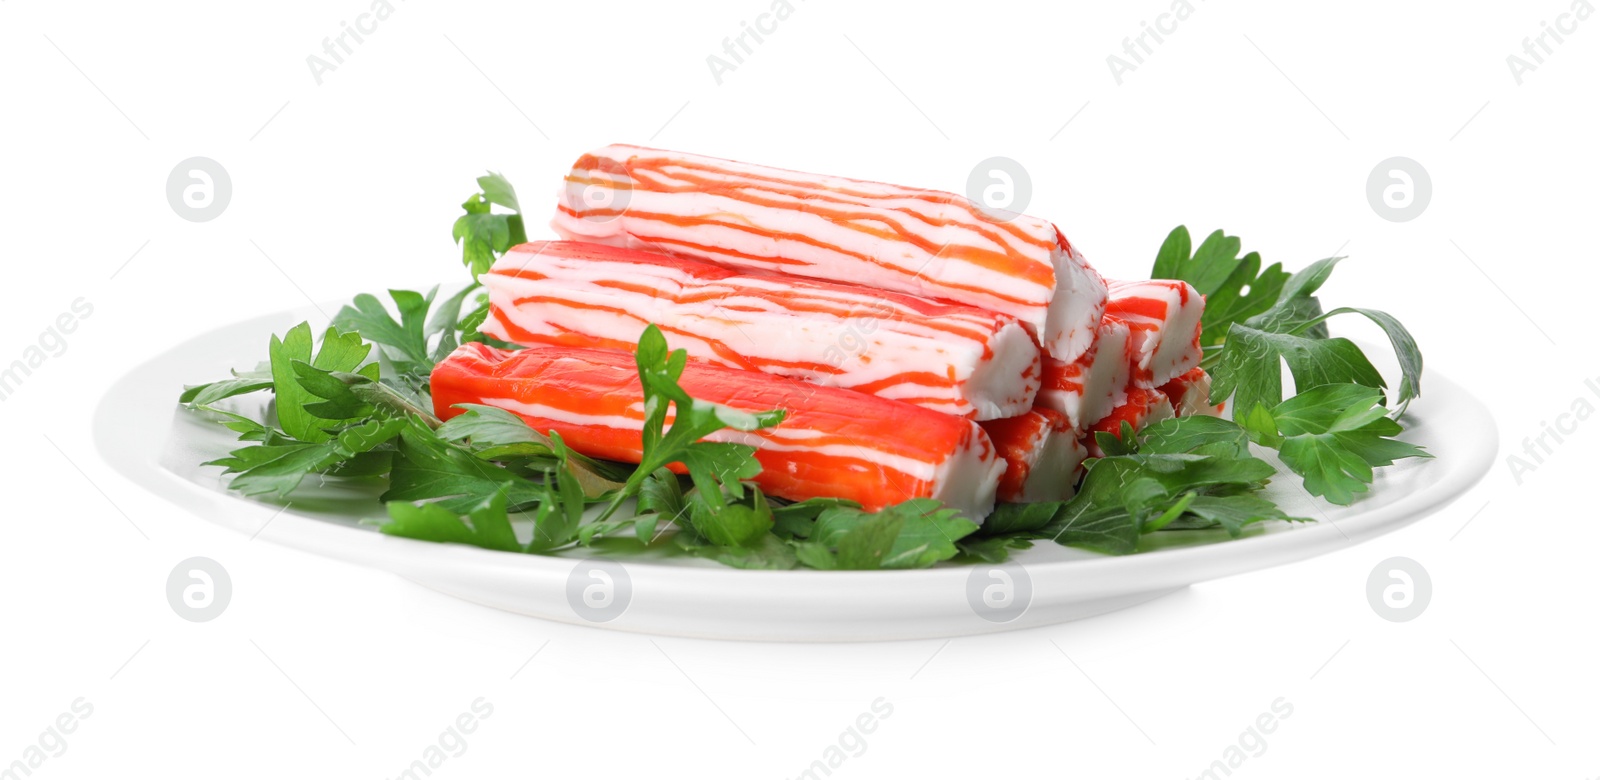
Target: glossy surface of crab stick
<point x="1087" y="389"/>
<point x="1144" y="407"/>
<point x="1042" y="455"/>
<point x="955" y="359"/>
<point x="831" y="442"/>
<point x="1164" y="318"/>
<point x="1190" y="394"/>
<point x="921" y="242"/>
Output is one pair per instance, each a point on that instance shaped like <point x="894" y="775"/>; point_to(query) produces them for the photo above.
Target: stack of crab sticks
<point x="920" y="347"/>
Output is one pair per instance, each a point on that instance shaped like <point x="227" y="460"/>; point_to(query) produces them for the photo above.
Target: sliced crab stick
<point x="1144" y="407"/>
<point x="921" y="242"/>
<point x="1164" y="317"/>
<point x="1042" y="455"/>
<point x="1190" y="394"/>
<point x="831" y="442"/>
<point x="959" y="360"/>
<point x="1087" y="389"/>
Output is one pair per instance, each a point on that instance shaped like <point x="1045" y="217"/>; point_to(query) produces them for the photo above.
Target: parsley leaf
<point x="277" y="466"/>
<point x="913" y="534"/>
<point x="496" y="434"/>
<point x="1192" y="432"/>
<point x="768" y="552"/>
<point x="1256" y="320"/>
<point x="1250" y="366"/>
<point x="486" y="524"/>
<point x="1332" y="436"/>
<point x="197" y="396"/>
<point x="1294" y="332"/>
<point x="483" y="234"/>
<point x="660" y="496"/>
<point x="1139" y="484"/>
<point x="1231" y="513"/>
<point x="411" y="345"/>
<point x="1405" y="349"/>
<point x="339" y="352"/>
<point x="405" y="341"/>
<point x="427" y="467"/>
<point x="560" y="512"/>
<point x="734" y="524"/>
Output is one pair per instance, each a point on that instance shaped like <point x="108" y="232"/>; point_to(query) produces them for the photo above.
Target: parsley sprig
<point x="1337" y="428"/>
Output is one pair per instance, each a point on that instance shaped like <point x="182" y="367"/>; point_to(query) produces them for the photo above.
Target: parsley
<point x="486" y="524"/>
<point x="913" y="534"/>
<point x="714" y="467"/>
<point x="196" y="396"/>
<point x="339" y="352"/>
<point x="1293" y="330"/>
<point x="1253" y="323"/>
<point x="427" y="467"/>
<point x="483" y="234"/>
<point x="1333" y="436"/>
<point x="277" y="465"/>
<point x="1185" y="473"/>
<point x="416" y="341"/>
<point x="498" y="435"/>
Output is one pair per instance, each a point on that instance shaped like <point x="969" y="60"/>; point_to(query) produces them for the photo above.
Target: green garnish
<point x="1336" y="429"/>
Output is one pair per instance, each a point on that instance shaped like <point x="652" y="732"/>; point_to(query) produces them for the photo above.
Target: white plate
<point x="143" y="433"/>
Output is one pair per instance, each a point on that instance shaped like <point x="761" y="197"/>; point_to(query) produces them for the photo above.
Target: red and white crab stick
<point x="1190" y="394"/>
<point x="1042" y="455"/>
<point x="955" y="359"/>
<point x="1145" y="407"/>
<point x="832" y="442"/>
<point x="1087" y="389"/>
<point x="1163" y="316"/>
<point x="920" y="242"/>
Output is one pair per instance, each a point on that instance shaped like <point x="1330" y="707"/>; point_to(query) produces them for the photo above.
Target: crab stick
<point x="1191" y="394"/>
<point x="831" y="442"/>
<point x="958" y="360"/>
<point x="1087" y="389"/>
<point x="1144" y="407"/>
<point x="1042" y="455"/>
<point x="921" y="242"/>
<point x="1163" y="316"/>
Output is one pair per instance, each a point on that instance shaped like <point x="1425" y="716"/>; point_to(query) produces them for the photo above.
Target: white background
<point x="1253" y="117"/>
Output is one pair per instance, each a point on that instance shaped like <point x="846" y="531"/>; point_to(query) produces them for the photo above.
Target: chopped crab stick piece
<point x="1042" y="455"/>
<point x="832" y="442"/>
<point x="1087" y="389"/>
<point x="958" y="360"/>
<point x="1164" y="317"/>
<point x="1144" y="407"/>
<point x="920" y="242"/>
<point x="1190" y="394"/>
